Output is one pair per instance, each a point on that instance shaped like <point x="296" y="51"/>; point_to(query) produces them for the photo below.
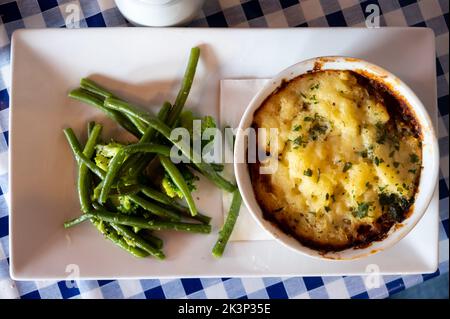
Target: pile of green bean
<point x="126" y="174"/>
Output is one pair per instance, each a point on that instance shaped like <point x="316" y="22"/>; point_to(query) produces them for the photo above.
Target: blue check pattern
<point x="227" y="13"/>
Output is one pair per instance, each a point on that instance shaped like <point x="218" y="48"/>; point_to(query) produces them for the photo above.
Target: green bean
<point x="98" y="90"/>
<point x="141" y="165"/>
<point x="158" y="197"/>
<point x="179" y="181"/>
<point x="141" y="127"/>
<point x="112" y="235"/>
<point x="76" y="149"/>
<point x="124" y="107"/>
<point x="162" y="116"/>
<point x="76" y="221"/>
<point x="138" y="241"/>
<point x="147" y="158"/>
<point x="212" y="175"/>
<point x="204" y="168"/>
<point x="90" y="126"/>
<point x="164" y="199"/>
<point x="89" y="148"/>
<point x="144" y="223"/>
<point x="227" y="228"/>
<point x="73" y="141"/>
<point x="217" y="167"/>
<point x="153" y="240"/>
<point x="83" y="180"/>
<point x="153" y="208"/>
<point x="118" y="189"/>
<point x="122" y="243"/>
<point x="125" y="190"/>
<point x="93" y="134"/>
<point x="134" y="165"/>
<point x="118" y="159"/>
<point x="93" y="87"/>
<point x="105" y="229"/>
<point x="186" y="85"/>
<point x="97" y="101"/>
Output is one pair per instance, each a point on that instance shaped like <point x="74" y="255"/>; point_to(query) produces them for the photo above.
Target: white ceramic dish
<point x="160" y="13"/>
<point x="430" y="153"/>
<point x="145" y="65"/>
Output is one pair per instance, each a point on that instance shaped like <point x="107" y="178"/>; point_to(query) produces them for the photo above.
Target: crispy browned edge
<point x="402" y="109"/>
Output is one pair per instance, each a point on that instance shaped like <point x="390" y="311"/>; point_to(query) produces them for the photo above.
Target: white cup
<point x="159" y="13"/>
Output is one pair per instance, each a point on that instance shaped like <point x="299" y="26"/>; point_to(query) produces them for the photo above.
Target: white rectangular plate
<point x="145" y="66"/>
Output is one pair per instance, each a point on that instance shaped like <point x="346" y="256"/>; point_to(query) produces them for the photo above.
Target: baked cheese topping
<point x="349" y="160"/>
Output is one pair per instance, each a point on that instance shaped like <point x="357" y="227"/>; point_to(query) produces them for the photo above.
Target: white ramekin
<point x="430" y="154"/>
<point x="160" y="13"/>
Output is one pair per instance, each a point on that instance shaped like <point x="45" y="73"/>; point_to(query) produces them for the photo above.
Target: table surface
<point x="227" y="13"/>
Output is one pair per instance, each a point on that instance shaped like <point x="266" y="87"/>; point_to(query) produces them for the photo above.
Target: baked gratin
<point x="349" y="160"/>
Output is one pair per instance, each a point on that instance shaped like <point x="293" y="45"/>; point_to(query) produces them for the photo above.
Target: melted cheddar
<point x="349" y="162"/>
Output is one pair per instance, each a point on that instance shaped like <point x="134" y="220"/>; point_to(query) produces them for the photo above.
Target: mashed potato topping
<point x="349" y="160"/>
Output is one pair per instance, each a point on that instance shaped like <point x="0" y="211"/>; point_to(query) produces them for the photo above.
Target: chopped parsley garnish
<point x="396" y="164"/>
<point x="299" y="141"/>
<point x="327" y="209"/>
<point x="314" y="99"/>
<point x="362" y="210"/>
<point x="412" y="171"/>
<point x="347" y="166"/>
<point x="308" y="172"/>
<point x="381" y="133"/>
<point x="394" y="204"/>
<point x="315" y="87"/>
<point x="316" y="130"/>
<point x="378" y="161"/>
<point x="333" y="198"/>
<point x="413" y="158"/>
<point x="317" y="127"/>
<point x="297" y="128"/>
<point x="363" y="154"/>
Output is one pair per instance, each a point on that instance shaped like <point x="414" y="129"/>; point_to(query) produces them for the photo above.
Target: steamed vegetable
<point x="179" y="181"/>
<point x="170" y="187"/>
<point x="227" y="228"/>
<point x="105" y="152"/>
<point x="116" y="181"/>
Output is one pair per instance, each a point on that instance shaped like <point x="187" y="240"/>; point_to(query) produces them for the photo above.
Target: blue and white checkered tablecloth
<point x="227" y="13"/>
